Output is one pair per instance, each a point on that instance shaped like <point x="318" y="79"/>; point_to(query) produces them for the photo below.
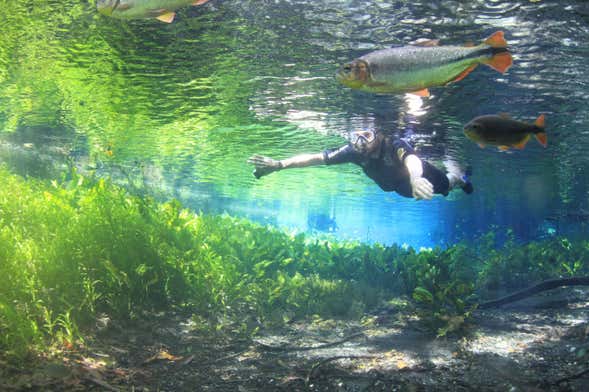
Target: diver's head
<point x="354" y="74"/>
<point x="365" y="141"/>
<point x="107" y="7"/>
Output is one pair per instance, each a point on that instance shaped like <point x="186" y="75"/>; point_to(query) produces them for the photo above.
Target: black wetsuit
<point x="388" y="169"/>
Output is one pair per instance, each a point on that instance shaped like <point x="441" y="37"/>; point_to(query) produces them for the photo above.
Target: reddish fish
<point x="504" y="132"/>
<point x="415" y="68"/>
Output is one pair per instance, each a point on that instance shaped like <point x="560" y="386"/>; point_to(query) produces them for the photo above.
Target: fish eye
<point x="347" y="67"/>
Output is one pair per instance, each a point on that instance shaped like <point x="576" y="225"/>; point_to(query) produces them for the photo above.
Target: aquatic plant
<point x="517" y="265"/>
<point x="442" y="286"/>
<point x="79" y="248"/>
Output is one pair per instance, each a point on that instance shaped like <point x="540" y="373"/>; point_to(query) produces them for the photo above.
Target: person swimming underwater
<point x="389" y="161"/>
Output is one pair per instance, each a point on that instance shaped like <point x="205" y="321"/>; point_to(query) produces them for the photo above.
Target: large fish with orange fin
<point x="162" y="10"/>
<point x="504" y="132"/>
<point x="415" y="68"/>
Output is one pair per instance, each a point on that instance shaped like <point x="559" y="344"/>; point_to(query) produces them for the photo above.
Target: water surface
<point x="175" y="110"/>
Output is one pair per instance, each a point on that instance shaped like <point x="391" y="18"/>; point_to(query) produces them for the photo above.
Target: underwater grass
<point x="76" y="249"/>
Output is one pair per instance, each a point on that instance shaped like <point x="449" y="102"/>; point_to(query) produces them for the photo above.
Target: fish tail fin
<point x="541" y="135"/>
<point x="496" y="40"/>
<point x="500" y="62"/>
<point x="540" y="121"/>
<point x="501" y="59"/>
<point x="542" y="139"/>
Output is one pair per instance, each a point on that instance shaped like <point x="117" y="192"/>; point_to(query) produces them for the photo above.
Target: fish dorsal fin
<point x="199" y="2"/>
<point x="426" y="42"/>
<point x="420" y="93"/>
<point x="168" y="17"/>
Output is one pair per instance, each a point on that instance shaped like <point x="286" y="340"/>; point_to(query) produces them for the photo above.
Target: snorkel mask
<point x="360" y="139"/>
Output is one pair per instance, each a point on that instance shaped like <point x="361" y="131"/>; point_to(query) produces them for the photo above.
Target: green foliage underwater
<point x="75" y="249"/>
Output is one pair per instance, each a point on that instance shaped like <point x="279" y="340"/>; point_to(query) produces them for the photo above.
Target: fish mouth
<point x="472" y="128"/>
<point x="470" y="133"/>
<point x="344" y="72"/>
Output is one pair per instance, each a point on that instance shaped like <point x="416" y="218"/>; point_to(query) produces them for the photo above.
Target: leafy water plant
<point x="443" y="282"/>
<point x="78" y="249"/>
<point x="519" y="265"/>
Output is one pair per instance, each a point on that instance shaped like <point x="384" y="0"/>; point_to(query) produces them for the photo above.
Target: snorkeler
<point x="390" y="162"/>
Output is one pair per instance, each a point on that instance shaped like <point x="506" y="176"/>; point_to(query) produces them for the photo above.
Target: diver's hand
<point x="264" y="165"/>
<point x="422" y="188"/>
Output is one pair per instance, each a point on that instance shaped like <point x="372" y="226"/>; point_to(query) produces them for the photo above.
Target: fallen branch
<point x="543" y="286"/>
<point x="308" y="348"/>
<point x="572" y="377"/>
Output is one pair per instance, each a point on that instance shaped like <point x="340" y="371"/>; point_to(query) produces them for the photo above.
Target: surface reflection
<point x="193" y="99"/>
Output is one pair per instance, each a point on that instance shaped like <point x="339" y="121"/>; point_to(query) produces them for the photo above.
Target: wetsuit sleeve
<point x="344" y="154"/>
<point x="402" y="149"/>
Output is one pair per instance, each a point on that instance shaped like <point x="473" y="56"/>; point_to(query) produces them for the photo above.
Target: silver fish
<point x="414" y="68"/>
<point x="162" y="10"/>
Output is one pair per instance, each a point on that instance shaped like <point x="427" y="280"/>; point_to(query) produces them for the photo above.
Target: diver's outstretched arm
<point x="265" y="165"/>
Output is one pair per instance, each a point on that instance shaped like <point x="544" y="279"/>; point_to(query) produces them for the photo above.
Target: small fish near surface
<point x="162" y="10"/>
<point x="504" y="132"/>
<point x="415" y="68"/>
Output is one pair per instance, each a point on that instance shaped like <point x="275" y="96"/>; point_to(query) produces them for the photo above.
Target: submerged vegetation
<point x="79" y="249"/>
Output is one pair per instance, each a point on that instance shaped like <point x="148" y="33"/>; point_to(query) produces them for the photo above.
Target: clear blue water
<point x="175" y="110"/>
